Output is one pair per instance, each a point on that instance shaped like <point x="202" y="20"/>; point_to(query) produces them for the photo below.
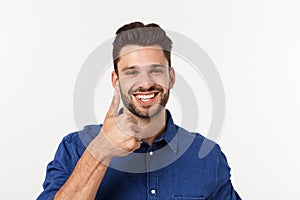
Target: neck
<point x="153" y="127"/>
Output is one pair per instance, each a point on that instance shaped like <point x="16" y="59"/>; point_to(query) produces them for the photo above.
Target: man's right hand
<point x="119" y="134"/>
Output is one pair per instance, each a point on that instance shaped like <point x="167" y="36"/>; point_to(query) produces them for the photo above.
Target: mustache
<point x="141" y="89"/>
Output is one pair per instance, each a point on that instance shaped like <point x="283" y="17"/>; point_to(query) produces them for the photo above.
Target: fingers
<point x="138" y="145"/>
<point x="133" y="145"/>
<point x="130" y="115"/>
<point x="130" y="118"/>
<point x="136" y="129"/>
<point x="127" y="133"/>
<point x="131" y="130"/>
<point x="114" y="106"/>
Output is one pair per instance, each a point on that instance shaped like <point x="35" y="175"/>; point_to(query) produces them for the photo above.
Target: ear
<point x="172" y="77"/>
<point x="115" y="80"/>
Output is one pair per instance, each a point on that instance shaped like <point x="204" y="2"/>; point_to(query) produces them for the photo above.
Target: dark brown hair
<point x="137" y="33"/>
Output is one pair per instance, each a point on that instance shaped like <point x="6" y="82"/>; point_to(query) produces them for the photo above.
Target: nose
<point x="145" y="81"/>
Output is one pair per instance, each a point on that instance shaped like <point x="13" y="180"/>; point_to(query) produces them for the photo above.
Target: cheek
<point x="125" y="85"/>
<point x="164" y="82"/>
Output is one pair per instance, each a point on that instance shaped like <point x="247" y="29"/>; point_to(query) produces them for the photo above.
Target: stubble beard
<point x="150" y="111"/>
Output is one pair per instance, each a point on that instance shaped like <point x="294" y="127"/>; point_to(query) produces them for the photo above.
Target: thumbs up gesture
<point x="118" y="135"/>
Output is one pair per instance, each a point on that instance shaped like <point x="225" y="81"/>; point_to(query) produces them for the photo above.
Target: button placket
<point x="152" y="177"/>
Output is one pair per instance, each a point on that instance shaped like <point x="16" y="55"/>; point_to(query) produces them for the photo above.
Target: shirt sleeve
<point x="224" y="190"/>
<point x="58" y="170"/>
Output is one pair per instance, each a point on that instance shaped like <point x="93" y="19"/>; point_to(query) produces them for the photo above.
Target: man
<point x="138" y="152"/>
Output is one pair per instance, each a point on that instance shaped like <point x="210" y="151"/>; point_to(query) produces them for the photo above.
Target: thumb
<point x="114" y="106"/>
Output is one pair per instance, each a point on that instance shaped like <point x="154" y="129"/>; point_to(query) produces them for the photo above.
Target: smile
<point x="145" y="97"/>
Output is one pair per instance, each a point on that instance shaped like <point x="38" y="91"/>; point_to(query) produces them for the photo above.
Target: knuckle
<point x="132" y="143"/>
<point x="136" y="129"/>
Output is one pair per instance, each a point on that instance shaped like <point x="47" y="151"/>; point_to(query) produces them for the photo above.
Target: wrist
<point x="98" y="150"/>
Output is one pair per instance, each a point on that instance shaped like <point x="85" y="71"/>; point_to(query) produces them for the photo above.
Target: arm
<point x="86" y="177"/>
<point x="114" y="139"/>
<point x="225" y="188"/>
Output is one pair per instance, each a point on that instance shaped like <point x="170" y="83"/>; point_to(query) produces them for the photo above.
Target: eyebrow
<point x="158" y="65"/>
<point x="128" y="68"/>
<point x="134" y="67"/>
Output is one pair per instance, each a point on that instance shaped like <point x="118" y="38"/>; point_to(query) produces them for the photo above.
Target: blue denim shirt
<point x="168" y="169"/>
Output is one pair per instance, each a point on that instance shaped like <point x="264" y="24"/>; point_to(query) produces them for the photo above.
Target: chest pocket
<point x="188" y="198"/>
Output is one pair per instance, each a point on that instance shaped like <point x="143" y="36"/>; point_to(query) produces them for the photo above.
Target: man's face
<point x="144" y="79"/>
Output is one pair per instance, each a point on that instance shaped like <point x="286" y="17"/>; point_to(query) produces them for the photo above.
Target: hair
<point x="136" y="33"/>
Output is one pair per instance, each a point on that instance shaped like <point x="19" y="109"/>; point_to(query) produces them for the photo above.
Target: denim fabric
<point x="168" y="169"/>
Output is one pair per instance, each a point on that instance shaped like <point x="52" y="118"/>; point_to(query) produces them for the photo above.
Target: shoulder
<point x="82" y="137"/>
<point x="198" y="143"/>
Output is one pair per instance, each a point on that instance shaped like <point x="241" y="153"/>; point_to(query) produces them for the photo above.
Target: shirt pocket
<point x="188" y="198"/>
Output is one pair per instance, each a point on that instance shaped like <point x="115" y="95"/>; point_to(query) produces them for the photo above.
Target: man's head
<point x="143" y="74"/>
<point x="137" y="33"/>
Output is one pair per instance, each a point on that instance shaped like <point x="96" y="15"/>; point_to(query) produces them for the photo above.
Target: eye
<point x="157" y="71"/>
<point x="131" y="72"/>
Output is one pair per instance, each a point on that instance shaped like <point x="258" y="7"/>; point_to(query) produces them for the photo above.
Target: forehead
<point x="134" y="55"/>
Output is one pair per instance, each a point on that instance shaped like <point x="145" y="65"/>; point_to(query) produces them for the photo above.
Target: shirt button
<point x="151" y="153"/>
<point x="153" y="191"/>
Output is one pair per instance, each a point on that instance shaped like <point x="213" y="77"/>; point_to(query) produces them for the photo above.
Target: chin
<point x="146" y="112"/>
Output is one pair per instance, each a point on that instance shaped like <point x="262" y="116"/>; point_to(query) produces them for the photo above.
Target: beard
<point x="150" y="111"/>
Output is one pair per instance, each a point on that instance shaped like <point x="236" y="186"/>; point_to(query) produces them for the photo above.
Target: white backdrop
<point x="254" y="44"/>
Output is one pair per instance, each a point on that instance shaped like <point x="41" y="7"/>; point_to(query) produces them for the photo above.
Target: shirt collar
<point x="169" y="134"/>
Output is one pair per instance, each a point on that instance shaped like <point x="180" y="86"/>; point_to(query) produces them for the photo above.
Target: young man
<point x="138" y="152"/>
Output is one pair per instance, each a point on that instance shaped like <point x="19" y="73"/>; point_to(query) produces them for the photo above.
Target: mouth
<point x="146" y="98"/>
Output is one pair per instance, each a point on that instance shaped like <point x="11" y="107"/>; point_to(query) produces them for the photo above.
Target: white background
<point x="254" y="44"/>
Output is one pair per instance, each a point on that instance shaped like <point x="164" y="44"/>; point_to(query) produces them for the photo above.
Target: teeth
<point x="145" y="97"/>
<point x="145" y="100"/>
